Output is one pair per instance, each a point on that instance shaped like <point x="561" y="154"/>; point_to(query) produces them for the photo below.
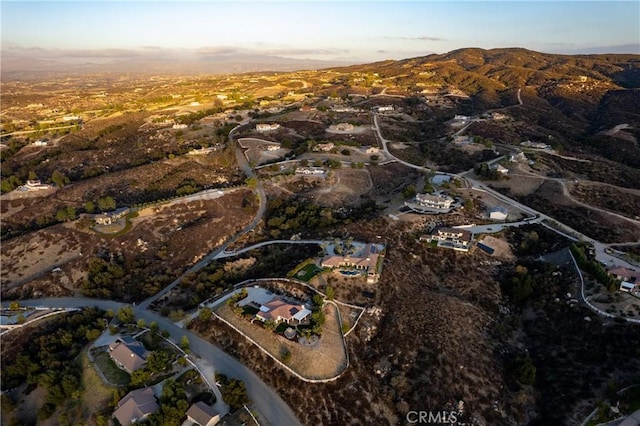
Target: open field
<point x="343" y="188"/>
<point x="319" y="362"/>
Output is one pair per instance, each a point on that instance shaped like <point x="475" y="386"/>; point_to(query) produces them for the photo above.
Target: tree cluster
<point x="49" y="358"/>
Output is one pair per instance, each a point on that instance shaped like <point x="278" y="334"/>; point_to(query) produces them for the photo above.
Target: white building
<point x="180" y="126"/>
<point x="437" y="201"/>
<point x="500" y="169"/>
<point x="498" y="213"/>
<point x="266" y="127"/>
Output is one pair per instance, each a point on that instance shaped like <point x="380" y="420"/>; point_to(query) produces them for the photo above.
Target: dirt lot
<point x="343" y="187"/>
<point x="624" y="201"/>
<point x="323" y="361"/>
<point x="167" y="239"/>
<point x="502" y="249"/>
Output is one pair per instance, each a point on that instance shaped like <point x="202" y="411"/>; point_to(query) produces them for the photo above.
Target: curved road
<point x="266" y="401"/>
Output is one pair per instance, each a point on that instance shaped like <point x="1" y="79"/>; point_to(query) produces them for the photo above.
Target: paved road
<point x="266" y="243"/>
<point x="212" y="358"/>
<point x="262" y="208"/>
<point x="564" y="229"/>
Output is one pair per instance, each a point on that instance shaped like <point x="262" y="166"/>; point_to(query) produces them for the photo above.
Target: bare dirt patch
<point x="501" y="247"/>
<point x="343" y="188"/>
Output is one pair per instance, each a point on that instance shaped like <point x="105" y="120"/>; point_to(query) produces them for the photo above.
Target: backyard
<point x="323" y="360"/>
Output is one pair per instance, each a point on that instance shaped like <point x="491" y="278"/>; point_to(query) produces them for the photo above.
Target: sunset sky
<point x="334" y="30"/>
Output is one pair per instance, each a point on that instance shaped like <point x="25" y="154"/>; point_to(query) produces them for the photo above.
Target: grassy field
<point x="308" y="272"/>
<point x="323" y="361"/>
<point x="110" y="370"/>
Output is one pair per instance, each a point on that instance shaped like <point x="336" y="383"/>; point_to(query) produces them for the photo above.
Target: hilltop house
<point x="366" y="262"/>
<point x="430" y="204"/>
<point x="342" y="127"/>
<point x="452" y="238"/>
<point x="202" y="414"/>
<point x="500" y="169"/>
<point x="110" y="217"/>
<point x="128" y="354"/>
<point x="136" y="406"/>
<point x="266" y="127"/>
<point x="278" y="310"/>
<point x="629" y="279"/>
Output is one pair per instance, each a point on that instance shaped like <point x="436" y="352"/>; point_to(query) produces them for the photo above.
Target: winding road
<point x="208" y="356"/>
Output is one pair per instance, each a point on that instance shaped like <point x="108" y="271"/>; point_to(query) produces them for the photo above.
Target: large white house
<point x="428" y="203"/>
<point x="266" y="127"/>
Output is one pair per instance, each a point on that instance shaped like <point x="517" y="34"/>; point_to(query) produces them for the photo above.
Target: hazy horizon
<point x="351" y="32"/>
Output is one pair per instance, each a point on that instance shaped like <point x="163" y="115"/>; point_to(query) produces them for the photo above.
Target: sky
<point x="356" y="31"/>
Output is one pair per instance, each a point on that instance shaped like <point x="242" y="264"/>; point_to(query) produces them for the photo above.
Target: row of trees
<point x="594" y="268"/>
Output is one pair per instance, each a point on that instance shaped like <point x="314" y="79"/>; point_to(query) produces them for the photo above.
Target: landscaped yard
<point x="109" y="369"/>
<point x="308" y="272"/>
<point x="322" y="361"/>
<point x="100" y="394"/>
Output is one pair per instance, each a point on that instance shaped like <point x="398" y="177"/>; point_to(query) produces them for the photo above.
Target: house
<point x="178" y="126"/>
<point x="498" y="213"/>
<point x="266" y="127"/>
<point x="518" y="158"/>
<point x="462" y="117"/>
<point x="40" y="142"/>
<point x="278" y="310"/>
<point x="500" y="169"/>
<point x="385" y="108"/>
<point x="453" y="238"/>
<point x="428" y="203"/>
<point x="342" y="127"/>
<point x="310" y="171"/>
<point x="128" y="354"/>
<point x="203" y="414"/>
<point x="273" y="147"/>
<point x="325" y="146"/>
<point x="34" y="185"/>
<point x="371" y="150"/>
<point x="136" y="406"/>
<point x="366" y="262"/>
<point x="629" y="279"/>
<point x="110" y="217"/>
<point x="624" y="274"/>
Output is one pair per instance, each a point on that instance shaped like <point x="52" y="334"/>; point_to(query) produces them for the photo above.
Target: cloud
<point x="420" y="38"/>
<point x="217" y="50"/>
<point x="307" y="51"/>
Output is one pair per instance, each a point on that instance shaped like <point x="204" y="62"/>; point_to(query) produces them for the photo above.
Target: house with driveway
<point x="202" y="414"/>
<point x="451" y="238"/>
<point x="279" y="310"/>
<point x="364" y="262"/>
<point x="136" y="406"/>
<point x="128" y="354"/>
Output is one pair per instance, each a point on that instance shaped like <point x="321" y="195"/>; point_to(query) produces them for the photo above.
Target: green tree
<point x="59" y="178"/>
<point x="234" y="393"/>
<point x="141" y="323"/>
<point x="126" y="315"/>
<point x="158" y="361"/>
<point x="270" y="325"/>
<point x="409" y="191"/>
<point x="106" y="204"/>
<point x="330" y="293"/>
<point x="90" y="207"/>
<point x="205" y="314"/>
<point x="184" y="343"/>
<point x="522" y="370"/>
